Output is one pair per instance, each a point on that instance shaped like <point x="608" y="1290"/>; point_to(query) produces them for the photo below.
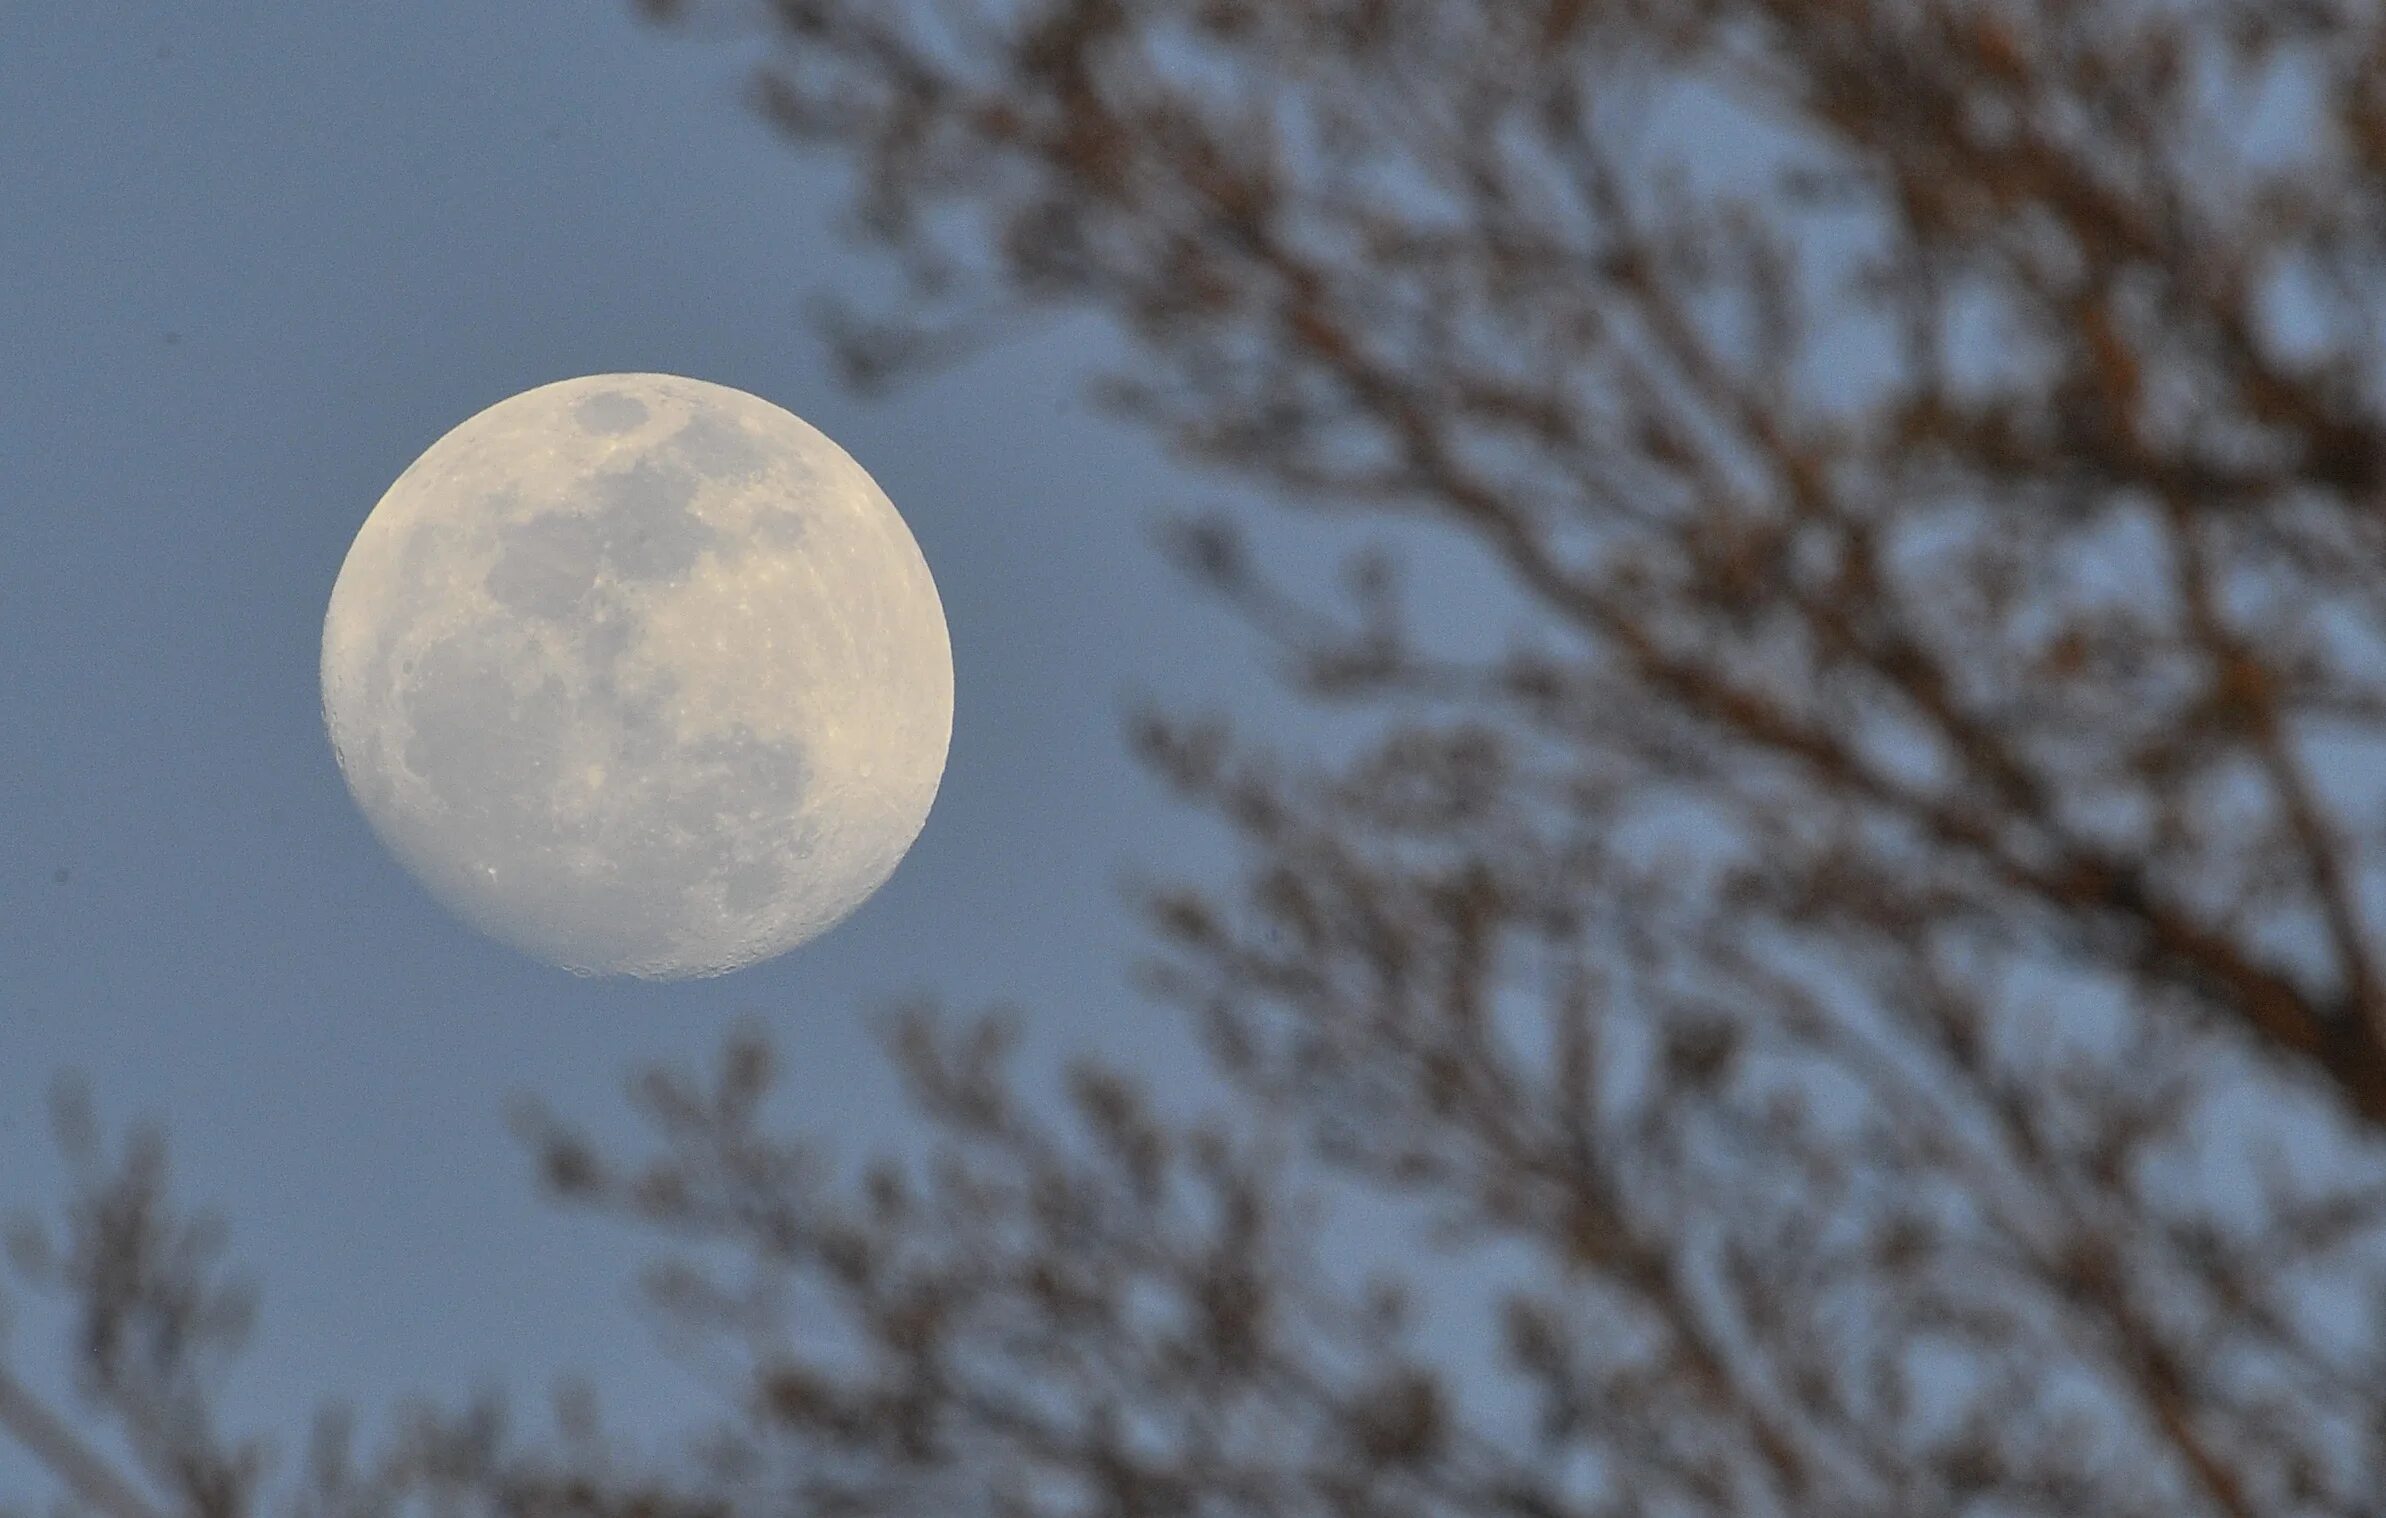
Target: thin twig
<point x="54" y="1444"/>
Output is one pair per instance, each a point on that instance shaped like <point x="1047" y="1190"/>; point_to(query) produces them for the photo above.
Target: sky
<point x="255" y="257"/>
<point x="258" y="255"/>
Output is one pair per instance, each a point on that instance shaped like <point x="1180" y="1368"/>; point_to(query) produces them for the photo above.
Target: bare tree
<point x="1854" y="989"/>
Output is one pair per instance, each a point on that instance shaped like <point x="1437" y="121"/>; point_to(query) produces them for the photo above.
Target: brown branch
<point x="75" y="1463"/>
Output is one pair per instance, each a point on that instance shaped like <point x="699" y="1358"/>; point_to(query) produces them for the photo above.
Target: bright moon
<point x="641" y="675"/>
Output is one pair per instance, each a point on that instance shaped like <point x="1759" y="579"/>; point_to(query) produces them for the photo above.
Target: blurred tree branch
<point x="1893" y="883"/>
<point x="53" y="1443"/>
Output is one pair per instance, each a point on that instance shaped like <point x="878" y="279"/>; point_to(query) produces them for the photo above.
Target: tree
<point x="1864" y="995"/>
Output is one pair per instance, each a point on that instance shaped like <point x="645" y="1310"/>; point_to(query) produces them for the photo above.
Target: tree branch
<point x="75" y="1463"/>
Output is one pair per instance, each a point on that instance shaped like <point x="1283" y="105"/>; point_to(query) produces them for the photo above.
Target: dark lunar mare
<point x="502" y="756"/>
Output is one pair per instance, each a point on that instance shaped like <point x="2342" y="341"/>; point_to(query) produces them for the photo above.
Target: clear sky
<point x="255" y="255"/>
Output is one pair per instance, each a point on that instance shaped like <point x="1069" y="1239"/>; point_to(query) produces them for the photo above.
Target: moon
<point x="641" y="675"/>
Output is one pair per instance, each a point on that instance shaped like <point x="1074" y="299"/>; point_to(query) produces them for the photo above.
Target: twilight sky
<point x="258" y="254"/>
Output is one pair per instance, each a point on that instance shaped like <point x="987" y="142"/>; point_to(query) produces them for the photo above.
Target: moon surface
<point x="641" y="675"/>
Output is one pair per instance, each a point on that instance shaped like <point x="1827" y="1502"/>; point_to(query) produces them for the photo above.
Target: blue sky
<point x="258" y="254"/>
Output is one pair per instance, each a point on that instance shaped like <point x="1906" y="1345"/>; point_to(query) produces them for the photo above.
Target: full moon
<point x="641" y="675"/>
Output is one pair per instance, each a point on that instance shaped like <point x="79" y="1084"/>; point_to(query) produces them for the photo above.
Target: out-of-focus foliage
<point x="1856" y="987"/>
